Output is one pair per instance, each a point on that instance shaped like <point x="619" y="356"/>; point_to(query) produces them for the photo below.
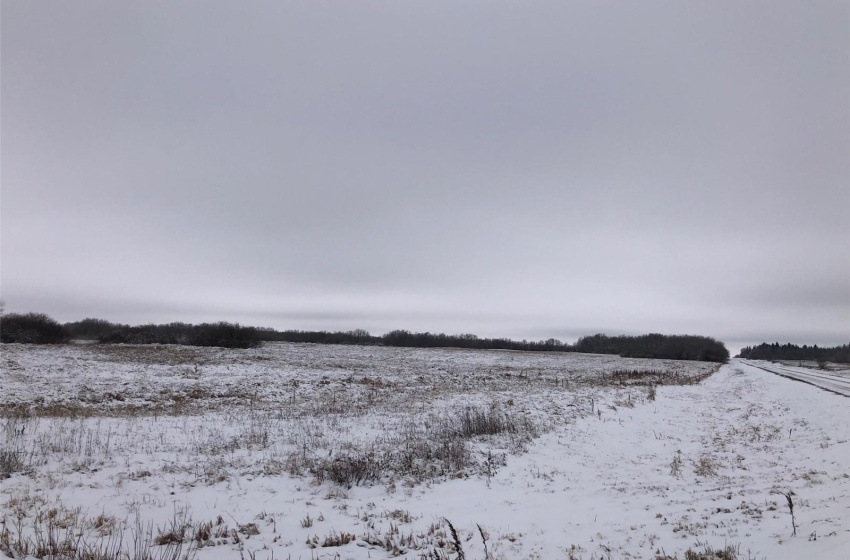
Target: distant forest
<point x="775" y="351"/>
<point x="676" y="347"/>
<point x="39" y="328"/>
<point x="225" y="335"/>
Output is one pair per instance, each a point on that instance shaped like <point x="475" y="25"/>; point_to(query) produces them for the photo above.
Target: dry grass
<point x="74" y="538"/>
<point x="303" y="425"/>
<point x="15" y="457"/>
<point x="338" y="539"/>
<point x="309" y="379"/>
<point x="707" y="552"/>
<point x="706" y="466"/>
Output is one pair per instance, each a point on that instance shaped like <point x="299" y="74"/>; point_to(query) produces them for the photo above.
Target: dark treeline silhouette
<point x="40" y="328"/>
<point x="225" y="335"/>
<point x="408" y="339"/>
<point x="359" y="336"/>
<point x="32" y="328"/>
<point x="93" y="329"/>
<point x="433" y="340"/>
<point x="775" y="351"/>
<point x="675" y="347"/>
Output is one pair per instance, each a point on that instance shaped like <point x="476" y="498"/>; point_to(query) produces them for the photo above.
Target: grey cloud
<point x="556" y="167"/>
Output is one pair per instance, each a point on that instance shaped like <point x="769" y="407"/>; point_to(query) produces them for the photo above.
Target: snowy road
<point x="834" y="383"/>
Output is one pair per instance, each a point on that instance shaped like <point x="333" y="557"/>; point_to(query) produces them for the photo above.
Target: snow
<point x="835" y="381"/>
<point x="610" y="473"/>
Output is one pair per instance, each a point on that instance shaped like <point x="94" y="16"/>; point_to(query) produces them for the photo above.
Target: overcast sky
<point x="521" y="169"/>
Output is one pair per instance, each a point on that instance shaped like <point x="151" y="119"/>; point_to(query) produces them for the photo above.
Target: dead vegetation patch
<point x="707" y="552"/>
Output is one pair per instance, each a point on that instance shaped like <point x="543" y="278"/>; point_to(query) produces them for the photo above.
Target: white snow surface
<point x="105" y="378"/>
<point x="835" y="381"/>
<point x="612" y="474"/>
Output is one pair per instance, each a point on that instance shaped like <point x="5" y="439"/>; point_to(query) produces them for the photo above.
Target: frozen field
<point x="303" y="451"/>
<point x="296" y="378"/>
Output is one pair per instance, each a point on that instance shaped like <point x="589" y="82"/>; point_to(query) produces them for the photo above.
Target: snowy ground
<point x="115" y="379"/>
<point x="836" y="381"/>
<point x="238" y="451"/>
<point x="832" y="368"/>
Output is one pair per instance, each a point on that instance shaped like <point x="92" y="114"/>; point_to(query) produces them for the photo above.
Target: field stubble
<point x="148" y="423"/>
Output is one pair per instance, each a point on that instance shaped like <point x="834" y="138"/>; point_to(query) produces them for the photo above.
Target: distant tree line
<point x="93" y="329"/>
<point x="674" y="347"/>
<point x="39" y="328"/>
<point x="359" y="336"/>
<point x="433" y="340"/>
<point x="403" y="338"/>
<point x="408" y="339"/>
<point x="32" y="328"/>
<point x="225" y="335"/>
<point x="775" y="351"/>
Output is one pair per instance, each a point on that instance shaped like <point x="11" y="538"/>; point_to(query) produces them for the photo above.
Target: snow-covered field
<point x="302" y="451"/>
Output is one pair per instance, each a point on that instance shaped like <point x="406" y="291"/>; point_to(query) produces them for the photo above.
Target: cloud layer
<point x="502" y="168"/>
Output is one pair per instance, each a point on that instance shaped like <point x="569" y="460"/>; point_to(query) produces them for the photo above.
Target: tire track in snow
<point x="833" y="383"/>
